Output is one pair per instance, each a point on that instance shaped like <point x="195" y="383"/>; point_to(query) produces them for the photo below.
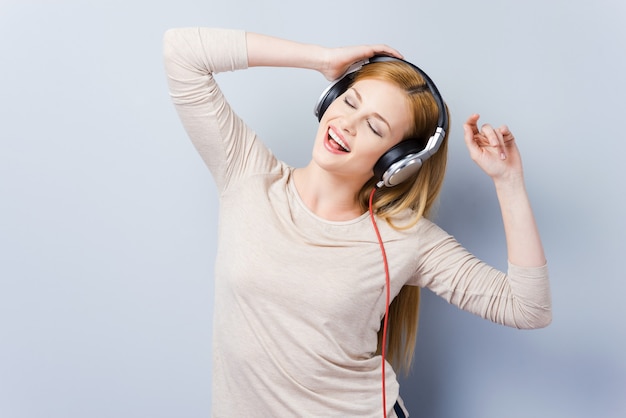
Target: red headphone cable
<point x="387" y="297"/>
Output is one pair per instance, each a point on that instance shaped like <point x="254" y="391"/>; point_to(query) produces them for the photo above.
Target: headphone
<point x="406" y="158"/>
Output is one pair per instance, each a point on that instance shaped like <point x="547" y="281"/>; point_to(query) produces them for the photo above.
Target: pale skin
<point x="331" y="193"/>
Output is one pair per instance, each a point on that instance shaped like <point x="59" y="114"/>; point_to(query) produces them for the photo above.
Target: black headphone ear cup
<point x="398" y="162"/>
<point x="334" y="91"/>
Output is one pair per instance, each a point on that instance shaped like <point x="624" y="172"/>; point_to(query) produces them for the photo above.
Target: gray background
<point x="108" y="216"/>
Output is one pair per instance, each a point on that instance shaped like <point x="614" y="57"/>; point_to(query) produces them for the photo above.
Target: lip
<point x="329" y="147"/>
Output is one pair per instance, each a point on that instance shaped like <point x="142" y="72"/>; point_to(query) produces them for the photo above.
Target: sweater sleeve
<point x="227" y="145"/>
<point x="519" y="298"/>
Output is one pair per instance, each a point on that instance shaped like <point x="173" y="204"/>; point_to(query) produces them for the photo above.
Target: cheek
<point x="378" y="148"/>
<point x="372" y="157"/>
<point x="319" y="135"/>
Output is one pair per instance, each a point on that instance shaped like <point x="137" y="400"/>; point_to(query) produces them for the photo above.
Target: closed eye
<point x="346" y="101"/>
<point x="373" y="130"/>
<point x="369" y="124"/>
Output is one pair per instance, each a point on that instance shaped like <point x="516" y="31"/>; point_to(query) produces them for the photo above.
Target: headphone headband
<point x="406" y="158"/>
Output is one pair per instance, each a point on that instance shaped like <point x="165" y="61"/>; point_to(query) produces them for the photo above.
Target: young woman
<point x="302" y="283"/>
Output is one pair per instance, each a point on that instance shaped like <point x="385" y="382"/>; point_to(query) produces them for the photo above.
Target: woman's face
<point x="359" y="127"/>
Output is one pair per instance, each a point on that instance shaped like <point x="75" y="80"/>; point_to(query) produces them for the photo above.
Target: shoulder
<point x="406" y="223"/>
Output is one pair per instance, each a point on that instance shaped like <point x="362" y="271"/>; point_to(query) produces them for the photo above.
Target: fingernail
<point x="502" y="156"/>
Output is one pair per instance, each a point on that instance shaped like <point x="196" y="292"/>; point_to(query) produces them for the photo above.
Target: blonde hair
<point x="417" y="194"/>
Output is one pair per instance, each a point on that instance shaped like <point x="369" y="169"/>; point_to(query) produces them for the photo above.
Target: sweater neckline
<point x="298" y="199"/>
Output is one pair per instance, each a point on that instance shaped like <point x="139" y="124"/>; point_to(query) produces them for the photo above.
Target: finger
<point x="506" y="133"/>
<point x="470" y="142"/>
<point x="489" y="133"/>
<point x="382" y="49"/>
<point x="472" y="122"/>
<point x="501" y="144"/>
<point x="495" y="138"/>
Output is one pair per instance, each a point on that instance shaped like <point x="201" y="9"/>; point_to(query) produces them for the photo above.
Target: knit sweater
<point x="299" y="299"/>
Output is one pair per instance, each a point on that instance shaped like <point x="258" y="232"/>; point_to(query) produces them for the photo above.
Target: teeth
<point x="338" y="140"/>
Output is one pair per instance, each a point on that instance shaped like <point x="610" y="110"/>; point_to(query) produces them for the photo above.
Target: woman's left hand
<point x="493" y="149"/>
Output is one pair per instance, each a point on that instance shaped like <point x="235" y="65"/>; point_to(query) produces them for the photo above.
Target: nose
<point x="349" y="123"/>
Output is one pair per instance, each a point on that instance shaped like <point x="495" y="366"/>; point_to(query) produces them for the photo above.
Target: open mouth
<point x="336" y="142"/>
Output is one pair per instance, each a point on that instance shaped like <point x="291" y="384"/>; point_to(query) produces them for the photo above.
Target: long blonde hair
<point x="417" y="194"/>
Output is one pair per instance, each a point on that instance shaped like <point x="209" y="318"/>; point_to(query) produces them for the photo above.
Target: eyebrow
<point x="378" y="115"/>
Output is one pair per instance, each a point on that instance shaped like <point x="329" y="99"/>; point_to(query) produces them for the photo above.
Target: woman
<point x="300" y="283"/>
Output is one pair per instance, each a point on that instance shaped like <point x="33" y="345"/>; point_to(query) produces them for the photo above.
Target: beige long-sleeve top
<point x="299" y="299"/>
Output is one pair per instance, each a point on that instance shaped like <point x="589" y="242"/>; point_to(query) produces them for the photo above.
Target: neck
<point x="328" y="196"/>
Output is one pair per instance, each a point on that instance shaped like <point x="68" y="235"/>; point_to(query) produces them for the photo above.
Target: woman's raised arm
<point x="264" y="50"/>
<point x="495" y="151"/>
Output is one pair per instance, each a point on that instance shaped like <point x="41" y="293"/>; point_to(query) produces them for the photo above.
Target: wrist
<point x="510" y="185"/>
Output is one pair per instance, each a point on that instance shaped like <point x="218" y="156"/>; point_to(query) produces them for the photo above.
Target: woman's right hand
<point x="339" y="60"/>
